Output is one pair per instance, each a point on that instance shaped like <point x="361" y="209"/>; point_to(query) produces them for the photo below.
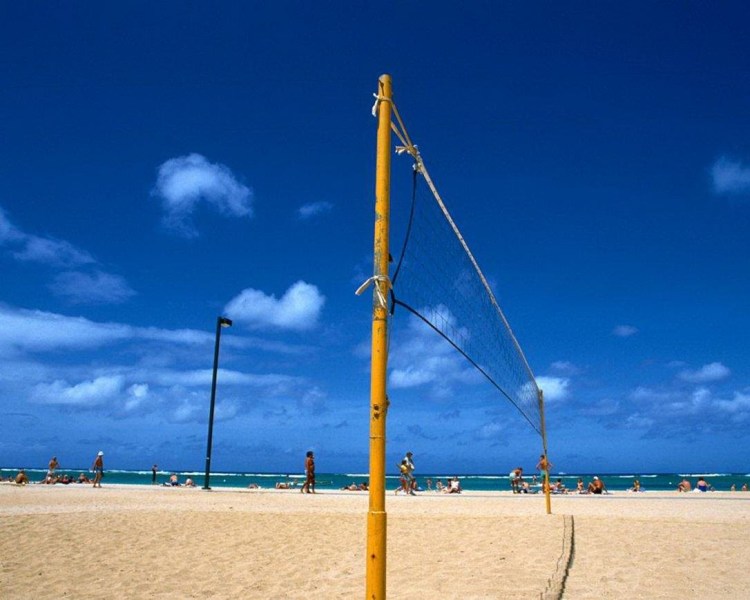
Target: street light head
<point x="225" y="322"/>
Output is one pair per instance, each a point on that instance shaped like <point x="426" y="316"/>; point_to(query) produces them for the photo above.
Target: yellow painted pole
<point x="547" y="497"/>
<point x="376" y="517"/>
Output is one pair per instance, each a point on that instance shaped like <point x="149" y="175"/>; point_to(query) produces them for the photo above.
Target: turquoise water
<point x="333" y="481"/>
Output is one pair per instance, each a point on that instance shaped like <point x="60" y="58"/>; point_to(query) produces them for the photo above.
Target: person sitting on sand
<point x="253" y="486"/>
<point x="684" y="486"/>
<point x="439" y="485"/>
<point x="744" y="487"/>
<point x="284" y="485"/>
<point x="516" y="478"/>
<point x="453" y="487"/>
<point x="173" y="480"/>
<point x="22" y="478"/>
<point x="636" y="486"/>
<point x="579" y="486"/>
<point x="701" y="485"/>
<point x="363" y="486"/>
<point x="189" y="482"/>
<point x="352" y="487"/>
<point x="82" y="478"/>
<point x="597" y="486"/>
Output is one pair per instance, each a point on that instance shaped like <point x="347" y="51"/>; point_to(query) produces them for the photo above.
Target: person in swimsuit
<point x="309" y="485"/>
<point x="98" y="469"/>
<point x="701" y="485"/>
<point x="597" y="486"/>
<point x="53" y="464"/>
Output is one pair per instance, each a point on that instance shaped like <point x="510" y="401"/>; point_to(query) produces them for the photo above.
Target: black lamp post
<point x="220" y="322"/>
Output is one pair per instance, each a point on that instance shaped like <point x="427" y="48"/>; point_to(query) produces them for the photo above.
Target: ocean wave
<point x="704" y="474"/>
<point x="356" y="474"/>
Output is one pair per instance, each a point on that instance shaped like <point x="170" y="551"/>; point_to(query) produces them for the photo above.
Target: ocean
<point x="332" y="481"/>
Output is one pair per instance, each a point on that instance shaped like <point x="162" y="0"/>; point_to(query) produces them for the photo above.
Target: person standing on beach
<point x="153" y="474"/>
<point x="543" y="466"/>
<point x="410" y="473"/>
<point x="309" y="485"/>
<point x="53" y="464"/>
<point x="98" y="469"/>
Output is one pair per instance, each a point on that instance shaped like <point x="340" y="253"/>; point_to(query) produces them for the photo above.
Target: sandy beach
<point x="156" y="542"/>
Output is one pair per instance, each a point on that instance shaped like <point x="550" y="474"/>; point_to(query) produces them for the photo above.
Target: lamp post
<point x="220" y="322"/>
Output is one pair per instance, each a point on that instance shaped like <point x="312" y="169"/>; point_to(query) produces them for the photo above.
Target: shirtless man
<point x="684" y="486"/>
<point x="309" y="485"/>
<point x="597" y="486"/>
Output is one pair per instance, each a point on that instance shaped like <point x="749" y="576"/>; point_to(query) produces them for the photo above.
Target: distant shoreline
<point x="615" y="482"/>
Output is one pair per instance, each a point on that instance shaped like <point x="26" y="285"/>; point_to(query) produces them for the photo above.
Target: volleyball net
<point x="438" y="279"/>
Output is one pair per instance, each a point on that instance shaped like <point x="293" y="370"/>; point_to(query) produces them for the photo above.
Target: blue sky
<point x="163" y="164"/>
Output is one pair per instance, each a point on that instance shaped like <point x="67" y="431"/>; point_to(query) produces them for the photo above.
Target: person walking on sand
<point x="98" y="469"/>
<point x="154" y="469"/>
<point x="309" y="485"/>
<point x="410" y="473"/>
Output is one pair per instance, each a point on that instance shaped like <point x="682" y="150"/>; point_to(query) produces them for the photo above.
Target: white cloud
<point x="185" y="412"/>
<point x="707" y="373"/>
<point x="739" y="404"/>
<point x="313" y="401"/>
<point x="645" y="394"/>
<point x="307" y="211"/>
<point x="412" y="376"/>
<point x="8" y="232"/>
<point x="87" y="393"/>
<point x="639" y="421"/>
<point x="94" y="288"/>
<point x="137" y="395"/>
<point x="52" y="252"/>
<point x="225" y="411"/>
<point x="730" y="176"/>
<point x="298" y="309"/>
<point x="624" y="331"/>
<point x="39" y="331"/>
<point x="554" y="388"/>
<point x="420" y="357"/>
<point x="46" y="250"/>
<point x="186" y="180"/>
<point x="35" y="330"/>
<point x="97" y="287"/>
<point x="565" y="367"/>
<point x="489" y="431"/>
<point x="601" y="408"/>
